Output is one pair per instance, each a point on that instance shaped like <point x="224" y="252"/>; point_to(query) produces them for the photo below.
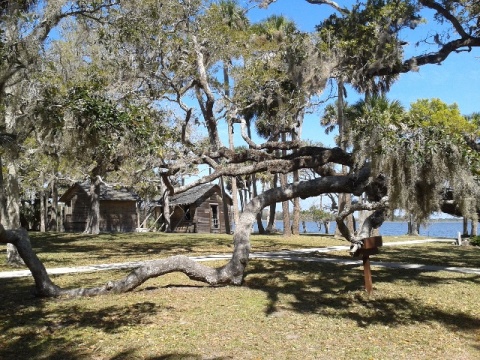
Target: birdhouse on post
<point x="369" y="247"/>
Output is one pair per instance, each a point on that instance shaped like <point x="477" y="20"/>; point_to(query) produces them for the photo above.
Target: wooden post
<point x="367" y="273"/>
<point x="370" y="247"/>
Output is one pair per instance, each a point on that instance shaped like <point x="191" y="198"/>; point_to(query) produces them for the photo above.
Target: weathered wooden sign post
<point x="370" y="247"/>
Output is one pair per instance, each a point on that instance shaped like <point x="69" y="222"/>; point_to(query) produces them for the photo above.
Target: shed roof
<point x="106" y="193"/>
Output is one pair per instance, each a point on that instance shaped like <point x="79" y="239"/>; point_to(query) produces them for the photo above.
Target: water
<point x="443" y="229"/>
<point x="434" y="229"/>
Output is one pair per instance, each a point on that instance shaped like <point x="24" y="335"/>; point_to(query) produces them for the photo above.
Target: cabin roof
<point x="106" y="193"/>
<point x="192" y="195"/>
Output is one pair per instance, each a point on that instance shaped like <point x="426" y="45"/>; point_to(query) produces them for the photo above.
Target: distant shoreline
<point x="459" y="220"/>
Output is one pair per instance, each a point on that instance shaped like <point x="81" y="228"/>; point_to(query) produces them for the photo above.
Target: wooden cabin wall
<point x="200" y="215"/>
<point x="115" y="216"/>
<point x="76" y="212"/>
<point x="203" y="215"/>
<point x="118" y="216"/>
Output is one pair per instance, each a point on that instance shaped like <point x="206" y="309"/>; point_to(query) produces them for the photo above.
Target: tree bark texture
<point x="287" y="227"/>
<point x="166" y="210"/>
<point x="43" y="210"/>
<point x="93" y="219"/>
<point x="13" y="209"/>
<point x="272" y="209"/>
<point x="3" y="196"/>
<point x="474" y="227"/>
<point x="226" y="211"/>
<point x="55" y="219"/>
<point x="261" y="229"/>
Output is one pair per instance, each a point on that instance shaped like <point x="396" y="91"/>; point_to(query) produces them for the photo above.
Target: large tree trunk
<point x="272" y="209"/>
<point x="54" y="221"/>
<point x="412" y="226"/>
<point x="474" y="227"/>
<point x="13" y="209"/>
<point x="465" y="226"/>
<point x="230" y="273"/>
<point x="287" y="227"/>
<point x="296" y="134"/>
<point x="226" y="212"/>
<point x="242" y="201"/>
<point x="296" y="216"/>
<point x="13" y="196"/>
<point x="231" y="146"/>
<point x="19" y="238"/>
<point x="11" y="215"/>
<point x="93" y="218"/>
<point x="43" y="211"/>
<point x="345" y="201"/>
<point x="166" y="207"/>
<point x="326" y="225"/>
<point x="261" y="229"/>
<point x="3" y="196"/>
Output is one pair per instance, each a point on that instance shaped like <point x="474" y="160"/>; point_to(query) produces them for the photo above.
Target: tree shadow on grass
<point x="183" y="357"/>
<point x="426" y="254"/>
<point x="337" y="290"/>
<point x="31" y="328"/>
<point x="129" y="354"/>
<point x="433" y="254"/>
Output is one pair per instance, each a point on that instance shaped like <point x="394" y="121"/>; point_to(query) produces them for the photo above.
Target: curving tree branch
<point x="230" y="273"/>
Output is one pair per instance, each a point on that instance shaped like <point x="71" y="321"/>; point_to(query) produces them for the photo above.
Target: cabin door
<point x="214" y="222"/>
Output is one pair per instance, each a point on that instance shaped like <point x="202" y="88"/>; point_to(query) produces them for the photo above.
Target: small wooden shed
<point x="118" y="209"/>
<point x="199" y="209"/>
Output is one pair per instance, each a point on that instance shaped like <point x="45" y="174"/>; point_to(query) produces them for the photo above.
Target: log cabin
<point x="198" y="210"/>
<point x="118" y="209"/>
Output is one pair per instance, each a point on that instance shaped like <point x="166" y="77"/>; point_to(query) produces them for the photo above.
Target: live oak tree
<point x="24" y="29"/>
<point x="423" y="152"/>
<point x="83" y="118"/>
<point x="453" y="134"/>
<point x="176" y="57"/>
<point x="174" y="75"/>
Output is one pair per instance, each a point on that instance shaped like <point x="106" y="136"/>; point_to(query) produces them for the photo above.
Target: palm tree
<point x="275" y="116"/>
<point x="235" y="22"/>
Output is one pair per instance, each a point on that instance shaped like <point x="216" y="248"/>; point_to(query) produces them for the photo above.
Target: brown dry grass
<point x="285" y="310"/>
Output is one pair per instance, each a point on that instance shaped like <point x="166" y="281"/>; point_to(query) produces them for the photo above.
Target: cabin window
<point x="214" y="212"/>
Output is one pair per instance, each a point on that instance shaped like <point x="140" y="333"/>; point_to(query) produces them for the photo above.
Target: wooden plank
<point x="372" y="242"/>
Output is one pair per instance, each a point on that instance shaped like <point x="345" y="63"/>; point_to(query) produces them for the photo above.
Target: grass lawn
<point x="284" y="310"/>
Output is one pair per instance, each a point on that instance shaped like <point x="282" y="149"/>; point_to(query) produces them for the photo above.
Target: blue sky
<point x="457" y="80"/>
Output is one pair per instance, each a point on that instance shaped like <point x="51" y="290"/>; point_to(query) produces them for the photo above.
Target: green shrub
<point x="475" y="241"/>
